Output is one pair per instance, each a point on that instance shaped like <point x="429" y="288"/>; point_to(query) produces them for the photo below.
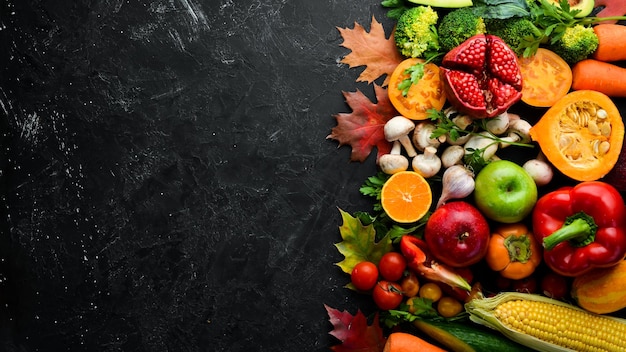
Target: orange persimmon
<point x="513" y="251"/>
<point x="421" y="96"/>
<point x="546" y="76"/>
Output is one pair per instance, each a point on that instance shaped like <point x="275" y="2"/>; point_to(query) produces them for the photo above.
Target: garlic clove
<point x="457" y="183"/>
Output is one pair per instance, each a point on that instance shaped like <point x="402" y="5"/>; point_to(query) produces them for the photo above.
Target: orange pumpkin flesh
<point x="581" y="135"/>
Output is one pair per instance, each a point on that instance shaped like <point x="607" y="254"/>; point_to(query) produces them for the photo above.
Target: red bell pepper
<point x="419" y="259"/>
<point x="581" y="227"/>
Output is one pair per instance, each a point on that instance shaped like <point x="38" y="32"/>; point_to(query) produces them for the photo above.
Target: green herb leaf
<point x="501" y="9"/>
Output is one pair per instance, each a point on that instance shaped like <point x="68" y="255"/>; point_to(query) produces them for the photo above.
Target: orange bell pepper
<point x="513" y="251"/>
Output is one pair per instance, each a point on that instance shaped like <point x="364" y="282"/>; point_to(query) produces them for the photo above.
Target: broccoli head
<point x="576" y="43"/>
<point x="416" y="32"/>
<point x="515" y="31"/>
<point x="459" y="25"/>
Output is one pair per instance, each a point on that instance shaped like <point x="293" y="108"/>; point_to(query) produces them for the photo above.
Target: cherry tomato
<point x="410" y="285"/>
<point x="387" y="295"/>
<point x="503" y="283"/>
<point x="449" y="307"/>
<point x="431" y="291"/>
<point x="364" y="276"/>
<point x="525" y="285"/>
<point x="554" y="285"/>
<point x="391" y="266"/>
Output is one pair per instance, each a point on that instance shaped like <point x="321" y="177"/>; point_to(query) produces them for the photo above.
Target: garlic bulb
<point x="457" y="183"/>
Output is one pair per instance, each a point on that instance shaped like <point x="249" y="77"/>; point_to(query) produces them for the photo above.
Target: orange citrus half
<point x="406" y="197"/>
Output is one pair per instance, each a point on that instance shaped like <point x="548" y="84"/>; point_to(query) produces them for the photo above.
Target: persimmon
<point x="546" y="76"/>
<point x="513" y="251"/>
<point x="415" y="99"/>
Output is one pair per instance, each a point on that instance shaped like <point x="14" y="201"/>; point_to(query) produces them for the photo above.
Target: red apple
<point x="457" y="234"/>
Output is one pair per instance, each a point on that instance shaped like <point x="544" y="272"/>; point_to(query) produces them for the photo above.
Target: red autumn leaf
<point x="354" y="333"/>
<point x="362" y="129"/>
<point x="374" y="50"/>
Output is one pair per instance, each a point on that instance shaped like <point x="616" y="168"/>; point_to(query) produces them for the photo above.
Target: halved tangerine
<point x="406" y="197"/>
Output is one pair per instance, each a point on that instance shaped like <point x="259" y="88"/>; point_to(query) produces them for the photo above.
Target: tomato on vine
<point x="387" y="295"/>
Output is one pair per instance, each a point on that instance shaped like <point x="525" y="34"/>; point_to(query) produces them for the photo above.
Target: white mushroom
<point x="452" y="155"/>
<point x="462" y="121"/>
<point x="422" y="136"/>
<point x="518" y="132"/>
<point x="393" y="162"/>
<point x="482" y="142"/>
<point x="427" y="164"/>
<point x="539" y="169"/>
<point x="499" y="124"/>
<point x="398" y="129"/>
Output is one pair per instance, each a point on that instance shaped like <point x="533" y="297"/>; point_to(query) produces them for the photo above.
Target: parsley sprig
<point x="445" y="125"/>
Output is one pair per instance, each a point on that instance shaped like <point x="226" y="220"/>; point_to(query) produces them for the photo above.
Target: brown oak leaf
<point x="363" y="128"/>
<point x="354" y="333"/>
<point x="374" y="50"/>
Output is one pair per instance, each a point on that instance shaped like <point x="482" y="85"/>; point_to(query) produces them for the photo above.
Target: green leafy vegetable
<point x="501" y="9"/>
<point x="396" y="8"/>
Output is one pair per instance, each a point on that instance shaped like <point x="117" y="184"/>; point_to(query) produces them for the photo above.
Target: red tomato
<point x="554" y="285"/>
<point x="364" y="276"/>
<point x="391" y="266"/>
<point x="410" y="285"/>
<point x="387" y="295"/>
<point x="526" y="285"/>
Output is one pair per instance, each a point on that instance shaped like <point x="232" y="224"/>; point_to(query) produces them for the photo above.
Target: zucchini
<point x="479" y="338"/>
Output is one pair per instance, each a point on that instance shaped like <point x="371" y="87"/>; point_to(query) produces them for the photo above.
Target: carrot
<point x="600" y="76"/>
<point x="404" y="342"/>
<point x="611" y="42"/>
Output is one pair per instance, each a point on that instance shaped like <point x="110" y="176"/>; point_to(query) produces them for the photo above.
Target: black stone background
<point x="167" y="184"/>
<point x="166" y="181"/>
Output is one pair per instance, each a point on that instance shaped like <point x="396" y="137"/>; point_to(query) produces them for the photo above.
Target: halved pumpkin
<point x="581" y="135"/>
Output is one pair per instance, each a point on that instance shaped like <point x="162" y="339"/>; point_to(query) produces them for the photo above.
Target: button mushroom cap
<point x="518" y="131"/>
<point x="421" y="136"/>
<point x="427" y="164"/>
<point x="398" y="129"/>
<point x="393" y="162"/>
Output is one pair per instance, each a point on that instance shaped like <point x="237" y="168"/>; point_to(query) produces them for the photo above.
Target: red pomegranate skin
<point x="482" y="77"/>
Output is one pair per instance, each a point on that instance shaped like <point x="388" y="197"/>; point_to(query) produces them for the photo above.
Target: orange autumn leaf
<point x="363" y="128"/>
<point x="373" y="50"/>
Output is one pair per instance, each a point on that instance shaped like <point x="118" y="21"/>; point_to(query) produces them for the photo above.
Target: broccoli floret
<point x="459" y="25"/>
<point x="517" y="32"/>
<point x="416" y="32"/>
<point x="577" y="43"/>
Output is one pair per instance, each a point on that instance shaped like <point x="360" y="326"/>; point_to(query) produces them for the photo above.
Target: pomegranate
<point x="481" y="76"/>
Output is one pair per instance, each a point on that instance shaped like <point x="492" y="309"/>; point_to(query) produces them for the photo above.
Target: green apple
<point x="505" y="192"/>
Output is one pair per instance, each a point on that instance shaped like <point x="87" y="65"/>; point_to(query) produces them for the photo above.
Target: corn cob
<point x="546" y="324"/>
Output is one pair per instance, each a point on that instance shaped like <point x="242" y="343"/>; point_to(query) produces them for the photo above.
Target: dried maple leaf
<point x="354" y="333"/>
<point x="363" y="128"/>
<point x="374" y="50"/>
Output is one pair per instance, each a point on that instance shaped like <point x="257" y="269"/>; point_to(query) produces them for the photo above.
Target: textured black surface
<point x="166" y="179"/>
